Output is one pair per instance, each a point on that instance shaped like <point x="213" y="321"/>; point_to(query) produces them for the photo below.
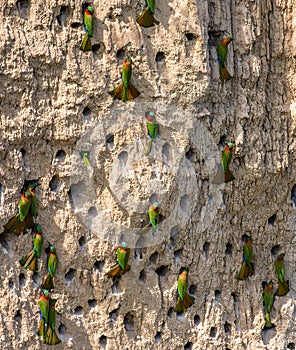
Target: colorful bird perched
<point x="88" y="20"/>
<point x="146" y="18"/>
<point x="30" y="261"/>
<point x="51" y="336"/>
<point x="222" y="50"/>
<point x="153" y="213"/>
<point x="246" y="269"/>
<point x="123" y="253"/>
<point x="52" y="263"/>
<point x="125" y="91"/>
<point x="85" y="159"/>
<point x="224" y="174"/>
<point x="44" y="309"/>
<point x="268" y="299"/>
<point x="27" y="210"/>
<point x="184" y="299"/>
<point x="279" y="265"/>
<point x="153" y="129"/>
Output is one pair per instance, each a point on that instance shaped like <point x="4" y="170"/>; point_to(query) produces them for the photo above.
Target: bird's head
<point x="90" y="9"/>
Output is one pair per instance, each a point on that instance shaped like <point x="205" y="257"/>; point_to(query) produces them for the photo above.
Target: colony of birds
<point x="27" y="209"/>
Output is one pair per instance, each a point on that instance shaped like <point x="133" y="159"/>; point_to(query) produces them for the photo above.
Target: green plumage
<point x="146" y="18"/>
<point x="153" y="130"/>
<point x="224" y="174"/>
<point x="52" y="263"/>
<point x="122" y="253"/>
<point x="88" y="20"/>
<point x="153" y="213"/>
<point x="30" y="261"/>
<point x="279" y="265"/>
<point x="268" y="299"/>
<point x="44" y="309"/>
<point x="24" y="205"/>
<point x="38" y="240"/>
<point x="51" y="336"/>
<point x="222" y="51"/>
<point x="246" y="269"/>
<point x="184" y="299"/>
<point x="85" y="159"/>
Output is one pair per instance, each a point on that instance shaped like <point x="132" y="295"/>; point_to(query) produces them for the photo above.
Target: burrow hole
<point x="60" y="155"/>
<point x="228" y="250"/>
<point x="142" y="276"/>
<point x="69" y="276"/>
<point x="113" y="315"/>
<point x="190" y="36"/>
<point x="293" y="196"/>
<point x="64" y="13"/>
<point x="291" y="346"/>
<point x="217" y="295"/>
<point x="128" y="322"/>
<point x="55" y="183"/>
<point x="271" y="220"/>
<point x="103" y="341"/>
<point x="227" y="327"/>
<point x="158" y="337"/>
<point x="92" y="303"/>
<point x="162" y="270"/>
<point x="115" y="288"/>
<point x="275" y="250"/>
<point x="188" y="346"/>
<point x="99" y="265"/>
<point x="78" y="310"/>
<point x="86" y="113"/>
<point x="205" y="249"/>
<point x="82" y="241"/>
<point x="192" y="289"/>
<point x="196" y="320"/>
<point x="154" y="258"/>
<point x="213" y="332"/>
<point x="62" y="329"/>
<point x="177" y="255"/>
<point x="109" y="141"/>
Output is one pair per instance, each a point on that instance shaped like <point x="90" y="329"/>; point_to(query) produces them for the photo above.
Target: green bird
<point x="222" y="50"/>
<point x="283" y="287"/>
<point x="52" y="263"/>
<point x="30" y="261"/>
<point x="153" y="213"/>
<point x="184" y="299"/>
<point x="153" y="129"/>
<point x="146" y="18"/>
<point x="88" y="20"/>
<point x="44" y="309"/>
<point x="268" y="299"/>
<point x="123" y="253"/>
<point x="51" y="336"/>
<point x="27" y="210"/>
<point x="246" y="269"/>
<point x="125" y="91"/>
<point x="85" y="159"/>
<point x="224" y="174"/>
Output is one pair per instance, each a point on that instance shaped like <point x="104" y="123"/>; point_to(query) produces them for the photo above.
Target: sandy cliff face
<point x="55" y="104"/>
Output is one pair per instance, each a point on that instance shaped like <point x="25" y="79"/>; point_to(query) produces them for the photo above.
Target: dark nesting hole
<point x="128" y="321"/>
<point x="113" y="315"/>
<point x="170" y="312"/>
<point x="162" y="270"/>
<point x="235" y="297"/>
<point x="55" y="183"/>
<point x="64" y="12"/>
<point x="244" y="238"/>
<point x="103" y="341"/>
<point x="222" y="140"/>
<point x="142" y="276"/>
<point x="69" y="193"/>
<point x="78" y="310"/>
<point x="154" y="258"/>
<point x="35" y="278"/>
<point x="177" y="255"/>
<point x="10" y="284"/>
<point x="23" y="152"/>
<point x="271" y="220"/>
<point x="92" y="303"/>
<point x="60" y="155"/>
<point x="99" y="265"/>
<point x="213" y="332"/>
<point x="138" y="254"/>
<point x="291" y="346"/>
<point x="188" y="346"/>
<point x="158" y="337"/>
<point x="217" y="294"/>
<point x="69" y="276"/>
<point x="227" y="327"/>
<point x="228" y="250"/>
<point x="86" y="113"/>
<point x="120" y="54"/>
<point x="23" y="5"/>
<point x="18" y="316"/>
<point x="160" y="57"/>
<point x="122" y="157"/>
<point x="82" y="241"/>
<point x="196" y="320"/>
<point x="75" y="25"/>
<point x="190" y="36"/>
<point x="192" y="289"/>
<point x="62" y="328"/>
<point x="189" y="154"/>
<point x="22" y="280"/>
<point x="96" y="48"/>
<point x="275" y="250"/>
<point x="293" y="196"/>
<point x="110" y="141"/>
<point x="115" y="286"/>
<point x="205" y="248"/>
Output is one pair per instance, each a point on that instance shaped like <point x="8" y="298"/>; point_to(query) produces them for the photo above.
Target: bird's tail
<point x="222" y="177"/>
<point x="41" y="330"/>
<point x="282" y="289"/>
<point x="14" y="225"/>
<point x="30" y="261"/>
<point x="183" y="305"/>
<point x="123" y="93"/>
<point x="268" y="323"/>
<point x="47" y="282"/>
<point x="244" y="272"/>
<point x="149" y="146"/>
<point x="86" y="43"/>
<point x="224" y="74"/>
<point x="117" y="271"/>
<point x="51" y="336"/>
<point x="146" y="18"/>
